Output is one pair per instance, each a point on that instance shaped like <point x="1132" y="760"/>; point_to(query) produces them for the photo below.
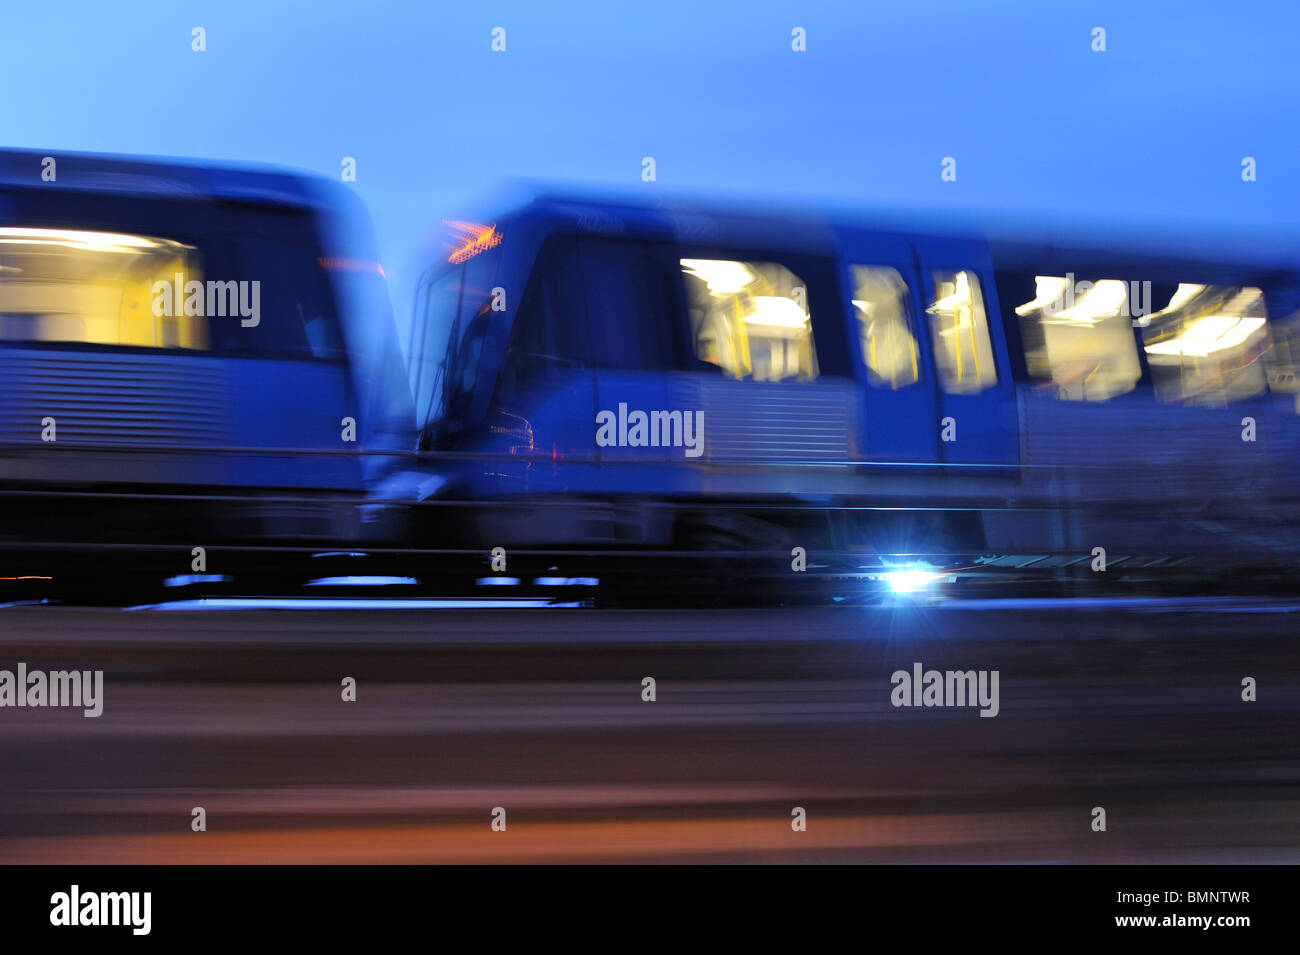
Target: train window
<point x="959" y="329"/>
<point x="1078" y="341"/>
<point x="627" y="296"/>
<point x="448" y="335"/>
<point x="462" y="366"/>
<point x="437" y="307"/>
<point x="98" y="288"/>
<point x="468" y="335"/>
<point x="296" y="311"/>
<point x="889" y="348"/>
<point x="750" y="319"/>
<point x="549" y="332"/>
<point x="237" y="279"/>
<point x="1204" y="347"/>
<point x="476" y="292"/>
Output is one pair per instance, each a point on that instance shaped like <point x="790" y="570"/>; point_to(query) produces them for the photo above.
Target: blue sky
<point x="1157" y="124"/>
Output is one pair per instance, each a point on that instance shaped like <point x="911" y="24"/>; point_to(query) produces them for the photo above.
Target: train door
<point x="878" y="273"/>
<point x="978" y="422"/>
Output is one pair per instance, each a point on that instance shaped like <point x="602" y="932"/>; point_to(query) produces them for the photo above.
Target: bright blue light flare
<point x="908" y="580"/>
<point x="360" y="581"/>
<point x="347" y="603"/>
<point x="187" y="580"/>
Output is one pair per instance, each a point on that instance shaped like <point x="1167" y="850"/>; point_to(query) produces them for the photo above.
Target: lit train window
<point x="884" y="321"/>
<point x="960" y="330"/>
<point x="97" y="288"/>
<point x="750" y="319"/>
<point x="1205" y="347"/>
<point x="1078" y="339"/>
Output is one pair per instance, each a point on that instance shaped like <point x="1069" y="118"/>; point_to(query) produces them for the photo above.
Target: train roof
<point x="179" y="178"/>
<point x="811" y="226"/>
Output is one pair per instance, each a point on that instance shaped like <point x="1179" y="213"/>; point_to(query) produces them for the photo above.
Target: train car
<point x="188" y="353"/>
<point x="662" y="373"/>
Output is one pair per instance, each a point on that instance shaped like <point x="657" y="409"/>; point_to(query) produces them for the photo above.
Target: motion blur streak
<point x="321" y="603"/>
<point x="757" y="712"/>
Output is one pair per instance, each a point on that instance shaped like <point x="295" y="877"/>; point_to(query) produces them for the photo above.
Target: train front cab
<point x="801" y="353"/>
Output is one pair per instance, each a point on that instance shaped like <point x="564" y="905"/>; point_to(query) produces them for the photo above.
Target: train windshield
<point x="448" y="332"/>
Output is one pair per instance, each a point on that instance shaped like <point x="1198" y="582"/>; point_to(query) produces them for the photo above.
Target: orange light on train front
<point x="470" y="238"/>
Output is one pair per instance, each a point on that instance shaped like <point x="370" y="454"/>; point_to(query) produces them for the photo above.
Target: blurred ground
<point x="1135" y="707"/>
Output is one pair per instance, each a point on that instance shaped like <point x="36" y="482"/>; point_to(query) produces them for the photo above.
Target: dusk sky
<point x="1037" y="120"/>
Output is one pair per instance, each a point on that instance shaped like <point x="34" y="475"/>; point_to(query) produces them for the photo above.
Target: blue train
<point x="654" y="374"/>
<point x="206" y="354"/>
<point x="189" y="353"/>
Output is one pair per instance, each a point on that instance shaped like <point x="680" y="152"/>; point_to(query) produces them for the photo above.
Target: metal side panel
<point x="121" y="406"/>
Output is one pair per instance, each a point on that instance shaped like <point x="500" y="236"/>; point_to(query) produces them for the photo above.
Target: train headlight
<point x="907" y="580"/>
